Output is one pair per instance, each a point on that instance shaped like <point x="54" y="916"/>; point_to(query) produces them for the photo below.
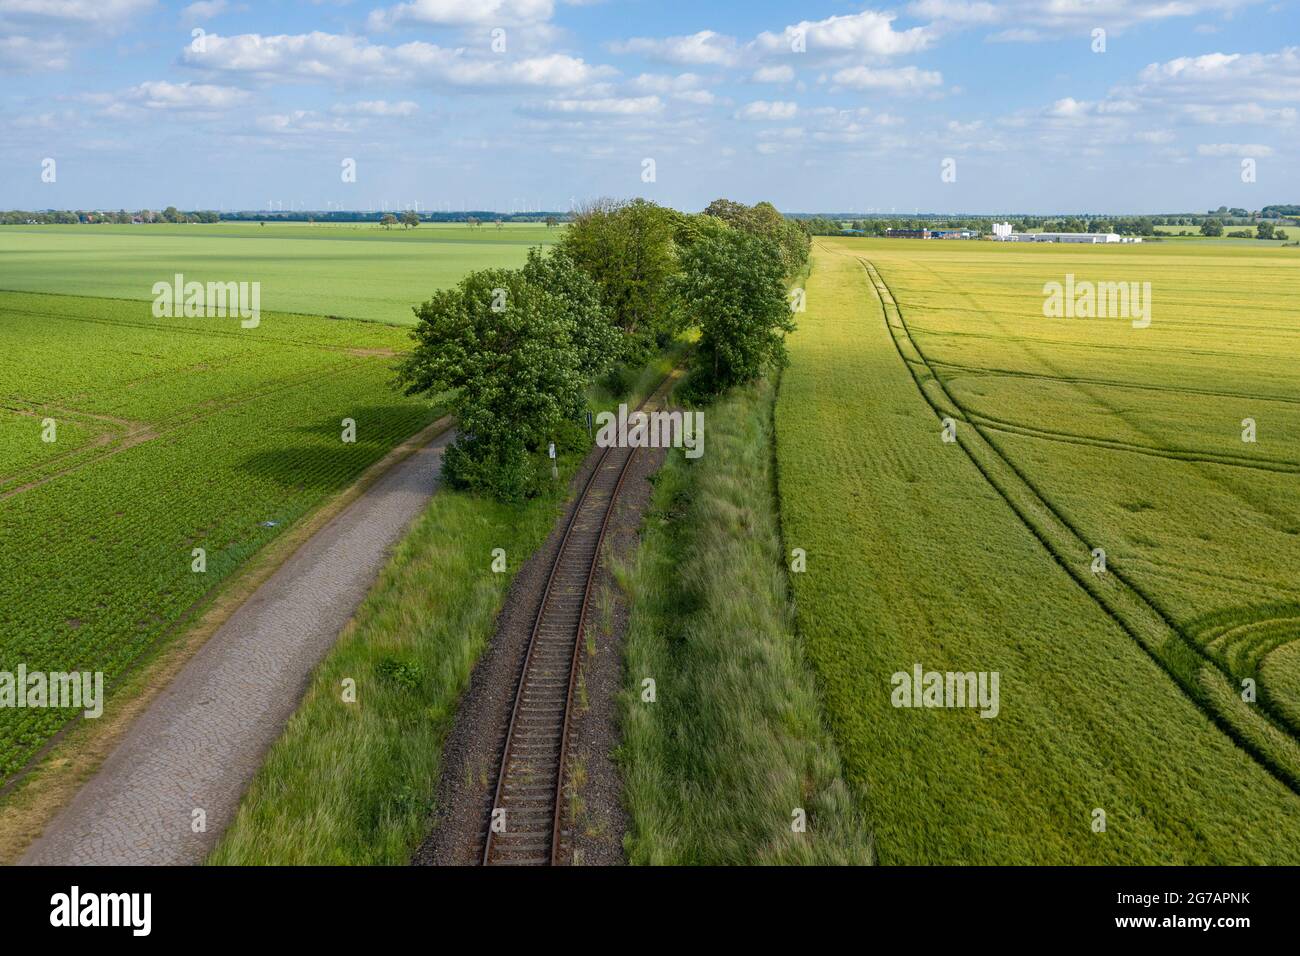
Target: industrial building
<point x="1002" y="233"/>
<point x="931" y="234"/>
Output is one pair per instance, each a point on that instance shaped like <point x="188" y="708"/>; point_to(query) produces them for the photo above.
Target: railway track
<point x="526" y="825"/>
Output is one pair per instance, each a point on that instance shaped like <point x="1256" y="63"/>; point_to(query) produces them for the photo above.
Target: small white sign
<point x="551" y="450"/>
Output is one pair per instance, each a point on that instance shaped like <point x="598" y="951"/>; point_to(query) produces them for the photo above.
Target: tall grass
<point x="733" y="745"/>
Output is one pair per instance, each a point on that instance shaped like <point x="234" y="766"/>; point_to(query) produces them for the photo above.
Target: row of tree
<point x="518" y="348"/>
<point x="17" y="217"/>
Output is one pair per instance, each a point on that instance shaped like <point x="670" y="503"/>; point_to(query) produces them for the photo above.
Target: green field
<point x="358" y="271"/>
<point x="1119" y="691"/>
<point x="171" y="434"/>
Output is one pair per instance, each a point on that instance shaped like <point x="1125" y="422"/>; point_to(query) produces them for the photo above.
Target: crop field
<point x="1158" y="693"/>
<point x="168" y="435"/>
<point x="360" y="271"/>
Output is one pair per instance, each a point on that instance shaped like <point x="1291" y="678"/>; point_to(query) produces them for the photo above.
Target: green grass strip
<point x="733" y="744"/>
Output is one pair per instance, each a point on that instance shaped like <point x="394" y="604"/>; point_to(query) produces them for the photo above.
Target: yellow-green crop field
<point x="127" y="441"/>
<point x="1102" y="533"/>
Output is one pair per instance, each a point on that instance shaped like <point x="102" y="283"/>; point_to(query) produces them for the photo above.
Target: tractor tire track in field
<point x="1264" y="734"/>
<point x="1106" y="382"/>
<point x="1032" y="348"/>
<point x="200" y="742"/>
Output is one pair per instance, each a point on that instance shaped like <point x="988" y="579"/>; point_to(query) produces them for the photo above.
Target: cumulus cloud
<point x="299" y="122"/>
<point x="462" y="13"/>
<point x="618" y="106"/>
<point x="1035" y="21"/>
<point x="1233" y="149"/>
<point x="20" y="54"/>
<point x="868" y="33"/>
<point x="201" y="97"/>
<point x="205" y="9"/>
<point x="906" y="79"/>
<point x="765" y="110"/>
<point x="705" y="48"/>
<point x="774" y="74"/>
<point x="94" y="12"/>
<point x="376" y="108"/>
<point x="332" y="58"/>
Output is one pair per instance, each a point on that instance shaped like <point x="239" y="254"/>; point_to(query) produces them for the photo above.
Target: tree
<point x="410" y="219"/>
<point x="629" y="250"/>
<point x="551" y="222"/>
<point x="389" y="221"/>
<point x="506" y="348"/>
<point x="1264" y="230"/>
<point x="732" y="284"/>
<point x="764" y="220"/>
<point x="595" y="337"/>
<point x="1212" y="227"/>
<point x="471" y="221"/>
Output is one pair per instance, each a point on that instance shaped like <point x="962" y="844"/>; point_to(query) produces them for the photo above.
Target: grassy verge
<point x="733" y="745"/>
<point x="353" y="783"/>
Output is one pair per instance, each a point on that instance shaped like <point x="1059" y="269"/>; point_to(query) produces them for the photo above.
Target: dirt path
<point x="194" y="751"/>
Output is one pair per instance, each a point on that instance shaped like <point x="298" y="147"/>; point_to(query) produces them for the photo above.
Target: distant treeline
<point x="172" y="214"/>
<point x="1124" y="226"/>
<point x="818" y="224"/>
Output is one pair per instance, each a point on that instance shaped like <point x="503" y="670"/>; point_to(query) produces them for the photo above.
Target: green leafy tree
<point x="506" y="348"/>
<point x="732" y="284"/>
<point x="389" y="221"/>
<point x="1212" y="227"/>
<point x="596" y="339"/>
<point x="629" y="250"/>
<point x="764" y="220"/>
<point x="1264" y="230"/>
<point x="410" y="219"/>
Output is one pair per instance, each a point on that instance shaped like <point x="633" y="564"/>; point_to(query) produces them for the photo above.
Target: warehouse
<point x="1002" y="232"/>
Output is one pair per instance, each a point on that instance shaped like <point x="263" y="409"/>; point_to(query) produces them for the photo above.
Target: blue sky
<point x="524" y="104"/>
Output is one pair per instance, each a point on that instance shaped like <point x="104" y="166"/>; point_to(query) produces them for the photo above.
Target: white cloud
<point x="1233" y="149"/>
<point x="698" y="97"/>
<point x="621" y="106"/>
<point x="462" y="13"/>
<point x="1036" y="20"/>
<point x="705" y="48"/>
<point x="205" y="9"/>
<point x="774" y="74"/>
<point x="20" y="54"/>
<point x="332" y="58"/>
<point x="72" y="11"/>
<point x="869" y="33"/>
<point x="906" y="79"/>
<point x="1069" y="108"/>
<point x="376" y="108"/>
<point x="299" y="122"/>
<point x="201" y="97"/>
<point x="956" y="11"/>
<point x="765" y="110"/>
